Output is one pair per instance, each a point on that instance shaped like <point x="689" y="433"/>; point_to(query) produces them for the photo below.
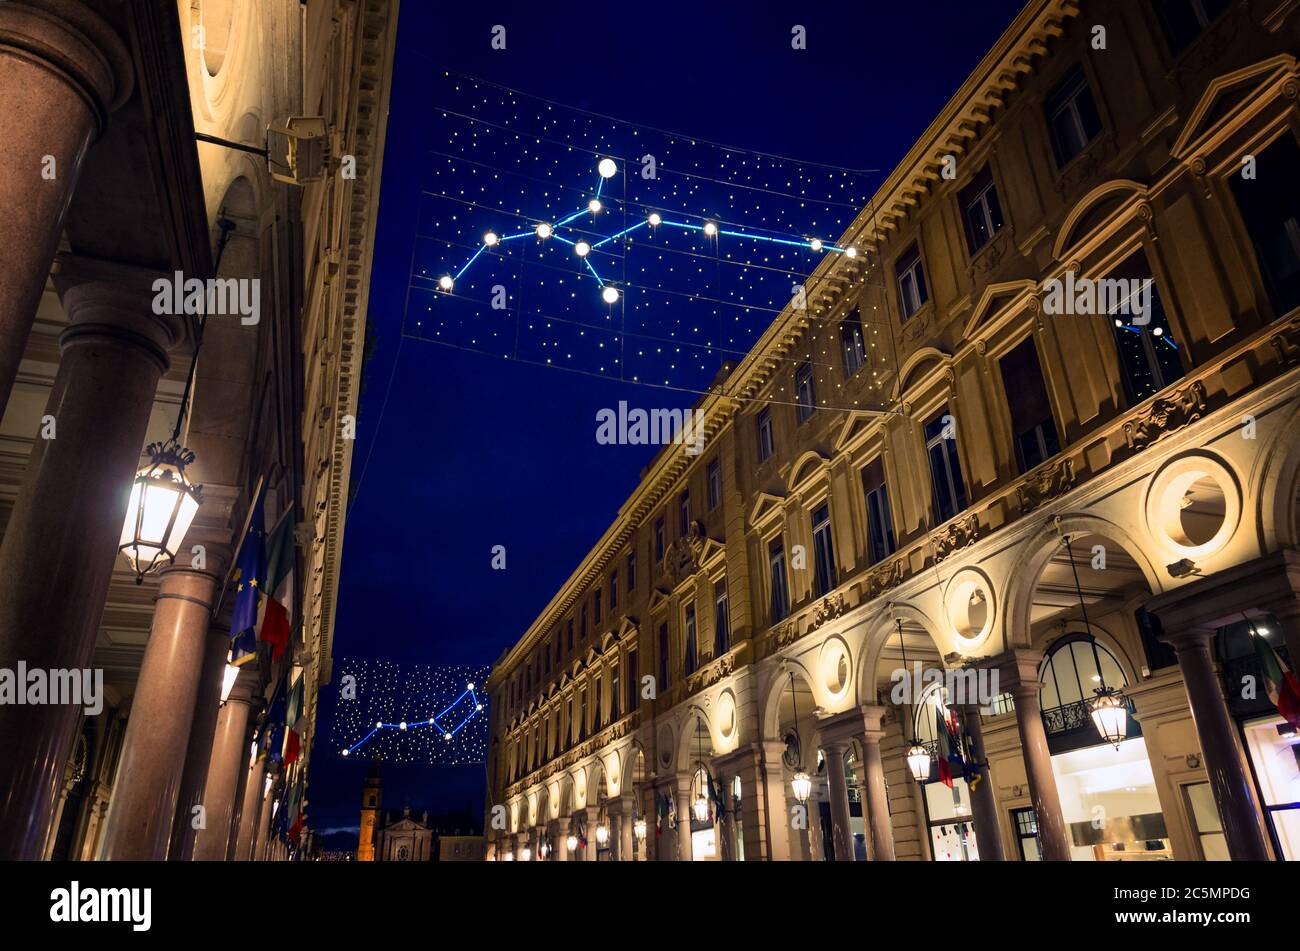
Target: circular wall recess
<point x="726" y="715"/>
<point x="833" y="667"/>
<point x="970" y="607"/>
<point x="1193" y="505"/>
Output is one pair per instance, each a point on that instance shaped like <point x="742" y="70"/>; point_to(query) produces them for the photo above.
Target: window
<point x="945" y="470"/>
<point x="684" y="513"/>
<point x="613" y="694"/>
<point x="631" y="571"/>
<point x="1032" y="426"/>
<point x="659" y="540"/>
<point x="1270" y="206"/>
<point x="765" y="444"/>
<point x="600" y="710"/>
<point x="823" y="551"/>
<point x="803" y="391"/>
<point x="981" y="210"/>
<point x="1184" y="20"/>
<point x="689" y="662"/>
<point x="582" y="624"/>
<point x="663" y="657"/>
<point x="715" y="484"/>
<point x="721" y="620"/>
<point x="880" y="520"/>
<point x="569" y="638"/>
<point x="1072" y="116"/>
<point x="780" y="602"/>
<point x="1025" y="822"/>
<point x="582" y="722"/>
<point x="1206" y="822"/>
<point x="633" y="685"/>
<point x="613" y="591"/>
<point x="1148" y="354"/>
<point x="911" y="281"/>
<point x="852" y="343"/>
<point x="597" y="601"/>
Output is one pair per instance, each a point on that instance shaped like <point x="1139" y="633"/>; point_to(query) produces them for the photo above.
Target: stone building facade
<point x="129" y="141"/>
<point x="952" y="454"/>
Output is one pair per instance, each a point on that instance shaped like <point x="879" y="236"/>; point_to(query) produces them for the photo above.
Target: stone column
<point x="64" y="70"/>
<point x="665" y="841"/>
<point x="682" y="802"/>
<point x="262" y="847"/>
<point x="562" y="839"/>
<point x="616" y="823"/>
<point x="841" y="825"/>
<point x="67" y="521"/>
<point x="228" y="763"/>
<point x="875" y="798"/>
<point x="1225" y="760"/>
<point x="1019" y="670"/>
<point x="984" y="807"/>
<point x="162" y="712"/>
<point x="623" y="832"/>
<point x="777" y="814"/>
<point x="727" y="820"/>
<point x="251" y="815"/>
<point x="198" y="750"/>
<point x="593" y="819"/>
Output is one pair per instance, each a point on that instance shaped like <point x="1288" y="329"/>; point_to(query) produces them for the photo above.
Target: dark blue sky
<point x="459" y="451"/>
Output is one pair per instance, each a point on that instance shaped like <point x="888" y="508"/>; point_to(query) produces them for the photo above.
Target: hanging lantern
<point x="802" y="786"/>
<point x="701" y="808"/>
<point x="602" y="835"/>
<point x="162" y="506"/>
<point x="1110" y="715"/>
<point x="508" y="857"/>
<point x="228" y="681"/>
<point x="526" y="854"/>
<point x="918" y="761"/>
<point x="572" y="843"/>
<point x="639" y="828"/>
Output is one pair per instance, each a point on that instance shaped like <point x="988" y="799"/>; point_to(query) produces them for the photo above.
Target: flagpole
<point x="243" y="534"/>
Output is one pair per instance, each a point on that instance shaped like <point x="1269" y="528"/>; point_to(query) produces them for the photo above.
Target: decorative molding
<point x="1046" y="483"/>
<point x="1166" y="415"/>
<point x="956" y="535"/>
<point x="829" y="609"/>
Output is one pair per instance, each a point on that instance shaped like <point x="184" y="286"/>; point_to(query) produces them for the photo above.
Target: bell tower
<point x="372" y="800"/>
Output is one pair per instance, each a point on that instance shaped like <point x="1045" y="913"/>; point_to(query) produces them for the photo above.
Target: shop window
<point x="1270" y="205"/>
<point x="910" y="274"/>
<point x="981" y="210"/>
<point x="949" y="489"/>
<point x="1025" y="823"/>
<point x="1032" y="425"/>
<point x="1273" y="746"/>
<point x="1185" y="20"/>
<point x="1072" y="116"/>
<point x="1149" y="356"/>
<point x="948" y="815"/>
<point x="880" y="520"/>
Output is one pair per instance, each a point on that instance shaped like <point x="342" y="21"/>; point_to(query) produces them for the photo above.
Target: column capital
<point x="842" y="728"/>
<point x="1269" y="583"/>
<point x="1018" y="670"/>
<point x="76" y="44"/>
<point x="105" y="298"/>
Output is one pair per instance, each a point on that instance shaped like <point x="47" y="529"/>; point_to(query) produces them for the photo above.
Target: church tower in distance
<point x="372" y="798"/>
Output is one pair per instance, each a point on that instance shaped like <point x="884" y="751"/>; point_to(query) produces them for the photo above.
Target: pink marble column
<point x="593" y="820"/>
<point x="60" y="544"/>
<point x="63" y="70"/>
<point x="162" y="712"/>
<point x="562" y="839"/>
<point x="875" y="798"/>
<point x="262" y="848"/>
<point x="1020" y="675"/>
<point x="1225" y="760"/>
<point x="229" y="760"/>
<point x="198" y="751"/>
<point x="776" y="807"/>
<point x="683" y="806"/>
<point x="984" y="807"/>
<point x="841" y="824"/>
<point x="251" y="814"/>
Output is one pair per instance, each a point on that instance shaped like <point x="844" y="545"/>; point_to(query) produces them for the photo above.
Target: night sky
<point x="477" y="427"/>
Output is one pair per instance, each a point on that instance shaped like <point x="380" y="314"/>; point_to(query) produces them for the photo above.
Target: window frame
<point x="915" y="269"/>
<point x="766" y="435"/>
<point x="823" y="553"/>
<point x="803" y="375"/>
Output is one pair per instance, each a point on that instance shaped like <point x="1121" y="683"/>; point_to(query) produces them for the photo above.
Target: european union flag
<point x="250" y="575"/>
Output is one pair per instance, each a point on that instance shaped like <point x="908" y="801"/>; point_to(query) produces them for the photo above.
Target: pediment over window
<point x="765" y="507"/>
<point x="1226" y="100"/>
<point x="918" y="365"/>
<point x="627" y="626"/>
<point x="996" y="299"/>
<point x="658" y="597"/>
<point x="807" y="467"/>
<point x="856" y="427"/>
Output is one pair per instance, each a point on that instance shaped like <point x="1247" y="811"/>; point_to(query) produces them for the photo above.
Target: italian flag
<point x="1281" y="684"/>
<point x="293" y="722"/>
<point x="277" y="607"/>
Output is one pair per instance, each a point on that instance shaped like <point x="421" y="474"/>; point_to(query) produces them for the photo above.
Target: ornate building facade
<point x="145" y="140"/>
<point x="1038" y="434"/>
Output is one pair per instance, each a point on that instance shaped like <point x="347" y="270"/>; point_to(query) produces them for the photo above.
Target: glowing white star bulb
<point x="815" y="244"/>
<point x="478" y="706"/>
<point x="402" y="725"/>
<point x="582" y="249"/>
<point x="594" y="206"/>
<point x="851" y="252"/>
<point x="608" y="168"/>
<point x="655" y="220"/>
<point x="379" y="724"/>
<point x="490" y="239"/>
<point x="710" y="228"/>
<point x="446" y="736"/>
<point x="446" y="283"/>
<point x="543" y="230"/>
<point x="609" y="295"/>
<point x="345" y="752"/>
<point x="469" y="686"/>
<point x="1157" y="332"/>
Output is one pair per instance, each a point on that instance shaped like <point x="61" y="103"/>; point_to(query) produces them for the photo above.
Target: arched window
<point x="1070" y="675"/>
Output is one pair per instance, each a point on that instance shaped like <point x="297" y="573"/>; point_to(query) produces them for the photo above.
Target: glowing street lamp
<point x="162" y="505"/>
<point x="701" y="807"/>
<point x="602" y="835"/>
<point x="918" y="761"/>
<point x="572" y="843"/>
<point x="639" y="828"/>
<point x="801" y="786"/>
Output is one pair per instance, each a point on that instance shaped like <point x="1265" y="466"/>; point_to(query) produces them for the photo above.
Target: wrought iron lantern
<point x="1109" y="708"/>
<point x="918" y="761"/>
<point x="639" y="828"/>
<point x="602" y="835"/>
<point x="572" y="843"/>
<point x="801" y="785"/>
<point x="162" y="505"/>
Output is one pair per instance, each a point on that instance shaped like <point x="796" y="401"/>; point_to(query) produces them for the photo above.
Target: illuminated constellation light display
<point x="409" y="713"/>
<point x="607" y="169"/>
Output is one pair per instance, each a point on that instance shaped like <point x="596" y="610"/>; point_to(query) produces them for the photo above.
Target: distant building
<point x="389" y="836"/>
